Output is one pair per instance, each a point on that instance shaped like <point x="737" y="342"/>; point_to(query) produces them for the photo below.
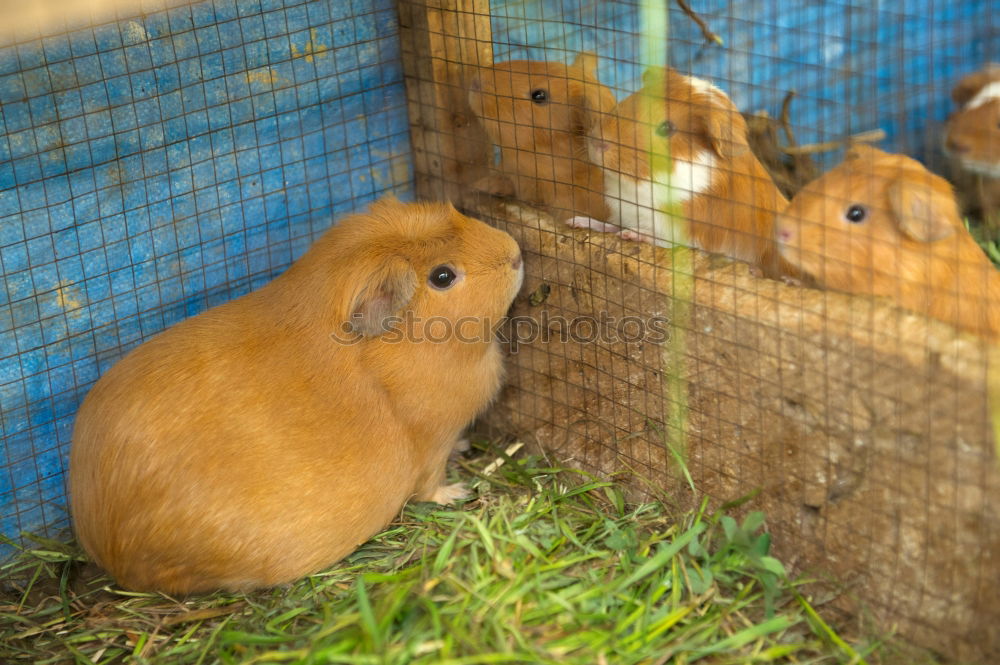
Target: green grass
<point x="545" y="566"/>
<point x="985" y="237"/>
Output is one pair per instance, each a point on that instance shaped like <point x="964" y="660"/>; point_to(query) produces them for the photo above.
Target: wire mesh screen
<point x="171" y="160"/>
<point x="861" y="425"/>
<point x="854" y="67"/>
<point x="160" y="164"/>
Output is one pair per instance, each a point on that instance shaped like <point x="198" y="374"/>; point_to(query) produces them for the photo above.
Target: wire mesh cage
<point x="158" y="165"/>
<point x="176" y="157"/>
<point x="863" y="429"/>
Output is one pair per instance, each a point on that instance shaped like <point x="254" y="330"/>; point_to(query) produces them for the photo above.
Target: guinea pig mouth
<point x="783" y="233"/>
<point x="980" y="167"/>
<point x="784" y="238"/>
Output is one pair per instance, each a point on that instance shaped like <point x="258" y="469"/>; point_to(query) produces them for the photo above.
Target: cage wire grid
<point x="855" y="68"/>
<point x="161" y="164"/>
<point x="166" y="162"/>
<point x="840" y="104"/>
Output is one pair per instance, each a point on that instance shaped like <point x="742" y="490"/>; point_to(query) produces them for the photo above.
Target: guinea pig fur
<point x="538" y="114"/>
<point x="881" y="224"/>
<point x="268" y="437"/>
<point x="678" y="170"/>
<point x="972" y="141"/>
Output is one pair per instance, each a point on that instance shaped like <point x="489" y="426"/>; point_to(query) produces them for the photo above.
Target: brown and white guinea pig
<point x="881" y="224"/>
<point x="538" y="113"/>
<point x="268" y="437"/>
<point x="678" y="169"/>
<point x="972" y="141"/>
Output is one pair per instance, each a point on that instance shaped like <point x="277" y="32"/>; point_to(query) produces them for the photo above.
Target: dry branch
<point x="700" y="22"/>
<point x="871" y="136"/>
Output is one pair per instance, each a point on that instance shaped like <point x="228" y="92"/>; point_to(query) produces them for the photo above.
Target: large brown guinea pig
<point x="678" y="169"/>
<point x="972" y="142"/>
<point x="883" y="225"/>
<point x="538" y="114"/>
<point x="268" y="437"/>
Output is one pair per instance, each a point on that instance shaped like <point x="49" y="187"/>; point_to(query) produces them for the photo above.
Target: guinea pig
<point x="537" y="113"/>
<point x="678" y="170"/>
<point x="883" y="225"/>
<point x="972" y="141"/>
<point x="268" y="437"/>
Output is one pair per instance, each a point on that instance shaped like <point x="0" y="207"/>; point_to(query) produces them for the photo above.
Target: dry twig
<point x="700" y="22"/>
<point x="871" y="136"/>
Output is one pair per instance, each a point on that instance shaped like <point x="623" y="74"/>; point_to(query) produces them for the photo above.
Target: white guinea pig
<point x="678" y="169"/>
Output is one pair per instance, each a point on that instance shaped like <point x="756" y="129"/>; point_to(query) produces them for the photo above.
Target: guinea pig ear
<point x="591" y="103"/>
<point x="587" y="62"/>
<point x="724" y="126"/>
<point x="383" y="294"/>
<point x="591" y="100"/>
<point x="924" y="213"/>
<point x="970" y="85"/>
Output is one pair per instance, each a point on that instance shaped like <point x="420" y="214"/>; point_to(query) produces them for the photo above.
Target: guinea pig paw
<point x="584" y="222"/>
<point x="460" y="447"/>
<point x="635" y="236"/>
<point x="448" y="494"/>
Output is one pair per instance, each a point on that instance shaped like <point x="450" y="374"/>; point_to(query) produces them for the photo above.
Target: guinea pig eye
<point x="540" y="95"/>
<point x="441" y="278"/>
<point x="856" y="214"/>
<point x="665" y="129"/>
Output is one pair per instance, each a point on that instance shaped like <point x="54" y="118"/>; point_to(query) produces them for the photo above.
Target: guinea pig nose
<point x="601" y="146"/>
<point x="784" y="235"/>
<point x="516" y="262"/>
<point x="476" y="85"/>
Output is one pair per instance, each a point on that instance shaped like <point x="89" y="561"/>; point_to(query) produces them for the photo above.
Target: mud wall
<point x="863" y="430"/>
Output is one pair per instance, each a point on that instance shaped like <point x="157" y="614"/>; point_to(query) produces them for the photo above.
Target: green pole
<point x="653" y="53"/>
